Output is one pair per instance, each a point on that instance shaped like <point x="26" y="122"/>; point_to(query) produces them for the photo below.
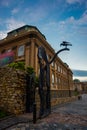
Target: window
<point x="55" y="66"/>
<point x="58" y="68"/>
<point x="52" y="64"/>
<point x="56" y="81"/>
<point x="61" y="70"/>
<point x="59" y="80"/>
<point x="21" y="50"/>
<point x="52" y="78"/>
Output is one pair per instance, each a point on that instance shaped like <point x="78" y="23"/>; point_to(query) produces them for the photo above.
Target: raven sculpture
<point x="65" y="43"/>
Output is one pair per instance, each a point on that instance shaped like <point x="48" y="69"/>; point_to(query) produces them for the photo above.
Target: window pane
<point x="53" y="78"/>
<point x="21" y="51"/>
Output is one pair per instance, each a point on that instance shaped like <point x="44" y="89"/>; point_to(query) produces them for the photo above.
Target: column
<point x="32" y="53"/>
<point x="27" y="55"/>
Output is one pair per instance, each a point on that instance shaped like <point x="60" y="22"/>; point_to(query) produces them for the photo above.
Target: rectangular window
<point x="59" y="80"/>
<point x="58" y="68"/>
<point x="56" y="81"/>
<point x="21" y="50"/>
<point x="53" y="64"/>
<point x="53" y="80"/>
<point x="61" y="70"/>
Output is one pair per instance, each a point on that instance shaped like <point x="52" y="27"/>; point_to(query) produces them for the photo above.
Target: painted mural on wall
<point x="6" y="58"/>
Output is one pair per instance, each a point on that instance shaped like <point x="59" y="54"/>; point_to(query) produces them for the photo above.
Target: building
<point x="81" y="87"/>
<point x="22" y="45"/>
<point x="84" y="87"/>
<point x="77" y="86"/>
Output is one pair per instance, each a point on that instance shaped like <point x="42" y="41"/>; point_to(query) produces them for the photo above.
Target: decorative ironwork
<point x="44" y="80"/>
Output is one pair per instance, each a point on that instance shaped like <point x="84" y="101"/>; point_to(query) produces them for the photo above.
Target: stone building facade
<point x="22" y="45"/>
<point x="84" y="87"/>
<point x="80" y="86"/>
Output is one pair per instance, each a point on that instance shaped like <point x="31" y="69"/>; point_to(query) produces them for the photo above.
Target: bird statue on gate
<point x="65" y="43"/>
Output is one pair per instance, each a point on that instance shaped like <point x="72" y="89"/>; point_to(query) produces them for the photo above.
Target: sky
<point x="58" y="20"/>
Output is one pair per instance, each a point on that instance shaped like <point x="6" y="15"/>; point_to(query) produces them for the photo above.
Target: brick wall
<point x="12" y="90"/>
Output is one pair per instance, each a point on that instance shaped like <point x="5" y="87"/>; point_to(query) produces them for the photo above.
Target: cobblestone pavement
<point x="71" y="116"/>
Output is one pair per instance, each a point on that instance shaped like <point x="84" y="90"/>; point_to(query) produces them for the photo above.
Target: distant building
<point x="22" y="45"/>
<point x="84" y="87"/>
<point x="80" y="86"/>
<point x="77" y="86"/>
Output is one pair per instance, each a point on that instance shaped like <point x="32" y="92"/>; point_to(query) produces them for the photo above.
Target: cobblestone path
<point x="71" y="116"/>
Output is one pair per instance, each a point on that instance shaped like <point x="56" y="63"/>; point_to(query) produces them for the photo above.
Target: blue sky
<point x="58" y="20"/>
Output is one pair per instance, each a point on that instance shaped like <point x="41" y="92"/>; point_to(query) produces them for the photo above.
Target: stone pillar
<point x="27" y="55"/>
<point x="32" y="53"/>
<point x="36" y="60"/>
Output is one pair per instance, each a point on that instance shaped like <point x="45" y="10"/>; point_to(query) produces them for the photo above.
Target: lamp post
<point x="45" y="104"/>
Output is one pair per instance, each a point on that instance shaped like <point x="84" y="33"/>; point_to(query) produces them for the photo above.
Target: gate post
<point x="34" y="113"/>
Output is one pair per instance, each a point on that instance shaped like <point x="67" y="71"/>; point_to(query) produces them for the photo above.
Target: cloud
<point x="83" y="19"/>
<point x="10" y="24"/>
<point x="72" y="30"/>
<point x="73" y="1"/>
<point x="34" y="14"/>
<point x="13" y="24"/>
<point x="80" y="73"/>
<point x="72" y="26"/>
<point x="6" y="3"/>
<point x="15" y="11"/>
<point x="80" y="78"/>
<point x="72" y="21"/>
<point x="2" y="34"/>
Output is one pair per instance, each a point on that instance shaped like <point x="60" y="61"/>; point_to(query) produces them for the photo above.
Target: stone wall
<point x="55" y="99"/>
<point x="12" y="90"/>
